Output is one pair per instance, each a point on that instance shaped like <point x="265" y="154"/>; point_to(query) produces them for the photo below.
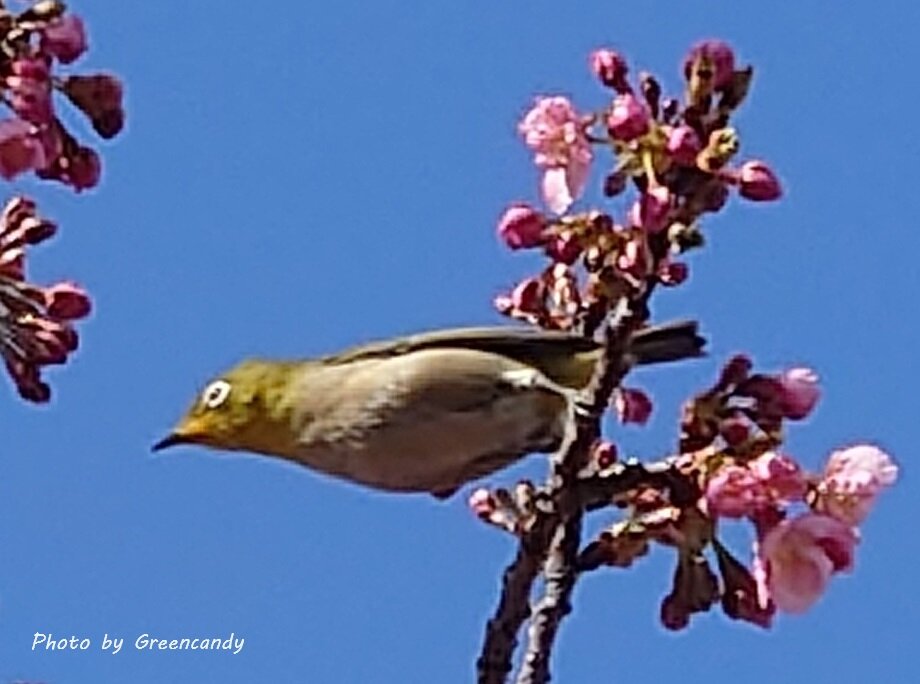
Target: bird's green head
<point x="239" y="410"/>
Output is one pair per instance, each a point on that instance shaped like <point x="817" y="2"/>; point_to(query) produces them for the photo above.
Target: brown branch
<point x="560" y="569"/>
<point x="494" y="663"/>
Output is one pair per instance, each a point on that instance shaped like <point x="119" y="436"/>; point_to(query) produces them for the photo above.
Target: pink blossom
<point x="683" y="145"/>
<point x="800" y="392"/>
<point x="30" y="90"/>
<point x="718" y="57"/>
<point x="521" y="226"/>
<point x="853" y="479"/>
<point x="554" y="131"/>
<point x="628" y="118"/>
<point x="20" y="150"/>
<point x="633" y="405"/>
<point x="797" y="557"/>
<point x="65" y="38"/>
<point x="757" y="182"/>
<point x="35" y="322"/>
<point x="610" y="68"/>
<point x="735" y="492"/>
<point x="781" y="476"/>
<point x="650" y="211"/>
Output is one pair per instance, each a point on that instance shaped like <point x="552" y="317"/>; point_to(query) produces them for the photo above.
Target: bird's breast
<point x="425" y="421"/>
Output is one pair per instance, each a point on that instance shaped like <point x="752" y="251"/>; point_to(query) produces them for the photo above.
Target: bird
<point x="424" y="413"/>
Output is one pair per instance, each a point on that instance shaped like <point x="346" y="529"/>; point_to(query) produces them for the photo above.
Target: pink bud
<point x="482" y="503"/>
<point x="610" y="68"/>
<point x="650" y="211"/>
<point x="634" y="259"/>
<point x="719" y="58"/>
<point x="628" y="118"/>
<point x="99" y="96"/>
<point x="735" y="371"/>
<point x="757" y="182"/>
<point x="683" y="145"/>
<point x="28" y="382"/>
<point x="672" y="273"/>
<point x="800" y="392"/>
<point x="674" y="614"/>
<point x="521" y="226"/>
<point x="782" y="477"/>
<point x="85" y="169"/>
<point x="798" y="557"/>
<point x="529" y="296"/>
<point x="67" y="301"/>
<point x="564" y="248"/>
<point x="65" y="38"/>
<point x="633" y="405"/>
<point x="853" y="479"/>
<point x="605" y="454"/>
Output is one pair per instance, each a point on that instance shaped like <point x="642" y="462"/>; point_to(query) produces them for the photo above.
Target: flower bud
<point x="64" y="38"/>
<point x="650" y="211"/>
<point x="633" y="405"/>
<point x="628" y="118"/>
<point x="67" y="301"/>
<point x="529" y="296"/>
<point x="712" y="61"/>
<point x="683" y="145"/>
<point x="757" y="182"/>
<point x="564" y="248"/>
<point x="800" y="392"/>
<point x="672" y="273"/>
<point x="482" y="503"/>
<point x="605" y="454"/>
<point x="521" y="226"/>
<point x="610" y="68"/>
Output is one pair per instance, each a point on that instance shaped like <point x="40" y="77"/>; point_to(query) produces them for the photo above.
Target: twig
<point x="513" y="608"/>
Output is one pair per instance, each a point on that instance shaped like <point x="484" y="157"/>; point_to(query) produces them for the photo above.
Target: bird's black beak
<point x="171" y="440"/>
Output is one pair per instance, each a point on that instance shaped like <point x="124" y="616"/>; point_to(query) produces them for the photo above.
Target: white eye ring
<point x="215" y="394"/>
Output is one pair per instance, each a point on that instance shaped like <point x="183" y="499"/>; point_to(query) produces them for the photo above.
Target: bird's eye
<point x="215" y="394"/>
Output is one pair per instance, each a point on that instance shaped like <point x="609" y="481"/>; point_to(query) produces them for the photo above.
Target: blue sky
<point x="297" y="177"/>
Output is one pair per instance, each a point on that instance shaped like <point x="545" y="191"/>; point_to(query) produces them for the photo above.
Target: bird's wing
<point x="657" y="343"/>
<point x="510" y="341"/>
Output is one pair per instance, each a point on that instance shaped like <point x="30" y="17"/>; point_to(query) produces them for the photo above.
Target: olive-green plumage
<point x="427" y="412"/>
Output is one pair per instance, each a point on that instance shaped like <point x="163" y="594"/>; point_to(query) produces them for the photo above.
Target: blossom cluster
<point x="736" y="430"/>
<point x="679" y="158"/>
<point x="33" y="138"/>
<point x="36" y="323"/>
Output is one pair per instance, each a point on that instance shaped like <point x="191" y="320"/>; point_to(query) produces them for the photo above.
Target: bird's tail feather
<point x="671" y="341"/>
